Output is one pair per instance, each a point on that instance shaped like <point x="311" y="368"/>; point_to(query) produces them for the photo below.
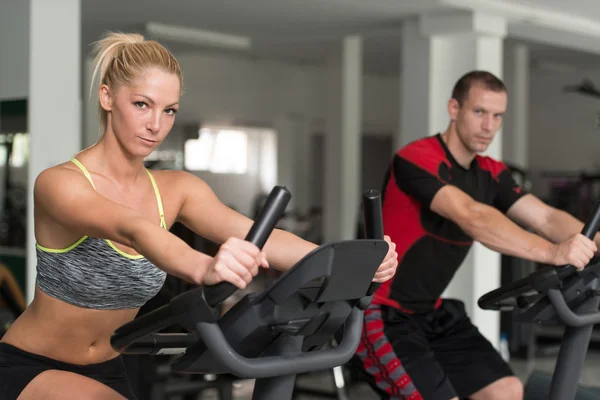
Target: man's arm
<point x="481" y="222"/>
<point x="416" y="172"/>
<point x="493" y="229"/>
<point x="555" y="225"/>
<point x="489" y="226"/>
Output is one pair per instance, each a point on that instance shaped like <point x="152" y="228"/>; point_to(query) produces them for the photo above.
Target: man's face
<point x="479" y="117"/>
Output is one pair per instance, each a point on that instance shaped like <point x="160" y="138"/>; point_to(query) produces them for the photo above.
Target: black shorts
<point x="433" y="356"/>
<point x="18" y="368"/>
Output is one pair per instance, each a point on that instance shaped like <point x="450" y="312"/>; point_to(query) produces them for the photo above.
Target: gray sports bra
<point x="94" y="273"/>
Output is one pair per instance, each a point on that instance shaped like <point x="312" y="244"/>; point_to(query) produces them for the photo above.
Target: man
<point x="439" y="197"/>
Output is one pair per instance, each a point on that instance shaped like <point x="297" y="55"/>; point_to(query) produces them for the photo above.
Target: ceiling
<point x="582" y="8"/>
<point x="303" y="31"/>
<point x="261" y="19"/>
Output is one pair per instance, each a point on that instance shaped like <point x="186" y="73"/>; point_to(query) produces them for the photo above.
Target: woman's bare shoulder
<point x="175" y="178"/>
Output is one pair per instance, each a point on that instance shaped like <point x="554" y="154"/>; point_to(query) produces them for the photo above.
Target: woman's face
<point x="142" y="113"/>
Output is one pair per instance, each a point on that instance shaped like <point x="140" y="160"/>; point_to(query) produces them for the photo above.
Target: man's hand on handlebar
<point x="236" y="262"/>
<point x="387" y="269"/>
<point x="577" y="251"/>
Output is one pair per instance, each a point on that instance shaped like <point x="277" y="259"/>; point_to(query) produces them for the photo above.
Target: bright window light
<point x="20" y="149"/>
<point x="218" y="150"/>
<point x="20" y="152"/>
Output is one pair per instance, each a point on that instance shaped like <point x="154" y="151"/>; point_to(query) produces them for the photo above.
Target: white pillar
<point x="285" y="128"/>
<point x="342" y="141"/>
<point x="302" y="167"/>
<point x="14" y="49"/>
<point x="516" y="132"/>
<point x="298" y="108"/>
<point x="91" y="116"/>
<point x="54" y="97"/>
<point x="293" y="170"/>
<point x="414" y="85"/>
<point x="437" y="50"/>
<point x="14" y="82"/>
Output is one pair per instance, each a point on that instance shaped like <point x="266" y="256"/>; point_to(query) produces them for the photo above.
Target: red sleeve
<point x="417" y="167"/>
<point x="507" y="189"/>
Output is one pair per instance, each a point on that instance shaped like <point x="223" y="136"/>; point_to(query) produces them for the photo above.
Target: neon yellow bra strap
<point x="84" y="170"/>
<point x="156" y="192"/>
<point x="158" y="200"/>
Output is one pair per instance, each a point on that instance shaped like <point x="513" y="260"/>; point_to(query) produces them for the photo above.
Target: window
<point x="20" y="149"/>
<point x="218" y="150"/>
<point x="267" y="170"/>
<point x="164" y="159"/>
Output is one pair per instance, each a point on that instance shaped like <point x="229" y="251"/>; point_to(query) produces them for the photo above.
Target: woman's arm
<point x="205" y="214"/>
<point x="65" y="197"/>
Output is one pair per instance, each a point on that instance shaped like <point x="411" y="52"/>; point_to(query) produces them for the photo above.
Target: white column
<point x="437" y="50"/>
<point x="54" y="97"/>
<point x="298" y="108"/>
<point x="414" y="85"/>
<point x="342" y="141"/>
<point x="286" y="156"/>
<point x="302" y="166"/>
<point x="14" y="49"/>
<point x="91" y="116"/>
<point x="293" y="167"/>
<point x="516" y="132"/>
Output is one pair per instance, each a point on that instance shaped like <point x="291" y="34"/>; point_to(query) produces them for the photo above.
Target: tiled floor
<point x="323" y="380"/>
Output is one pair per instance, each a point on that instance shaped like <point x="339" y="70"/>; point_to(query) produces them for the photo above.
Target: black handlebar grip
<point x="589" y="230"/>
<point x="264" y="224"/>
<point x="372" y="214"/>
<point x="373" y="223"/>
<point x="593" y="222"/>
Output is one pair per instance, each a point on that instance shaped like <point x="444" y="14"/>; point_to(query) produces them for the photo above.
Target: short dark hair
<point x="486" y="79"/>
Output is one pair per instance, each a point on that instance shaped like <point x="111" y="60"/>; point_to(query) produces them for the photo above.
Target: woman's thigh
<point x="55" y="384"/>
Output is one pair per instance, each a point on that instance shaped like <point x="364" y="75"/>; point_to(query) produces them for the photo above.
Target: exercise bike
<point x="557" y="295"/>
<point x="282" y="331"/>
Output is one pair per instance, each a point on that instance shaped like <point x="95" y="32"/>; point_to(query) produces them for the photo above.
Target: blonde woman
<point x="103" y="242"/>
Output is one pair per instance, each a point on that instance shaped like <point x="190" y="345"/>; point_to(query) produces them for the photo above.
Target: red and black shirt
<point x="430" y="247"/>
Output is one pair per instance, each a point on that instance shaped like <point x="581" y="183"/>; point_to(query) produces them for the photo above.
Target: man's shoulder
<point x="426" y="153"/>
<point x="428" y="145"/>
<point x="491" y="165"/>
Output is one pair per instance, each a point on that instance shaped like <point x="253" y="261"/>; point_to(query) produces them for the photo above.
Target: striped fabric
<point x="379" y="360"/>
<point x="94" y="273"/>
